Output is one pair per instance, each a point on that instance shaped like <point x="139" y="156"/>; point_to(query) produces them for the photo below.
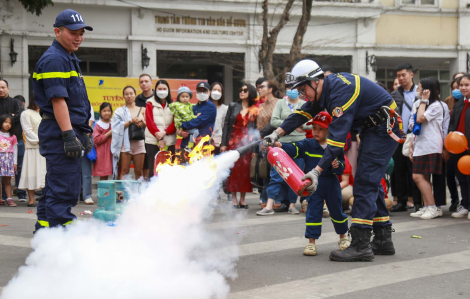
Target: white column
<point x="135" y="59"/>
<point x="17" y="74"/>
<point x="252" y="71"/>
<point x="228" y="83"/>
<point x="364" y="43"/>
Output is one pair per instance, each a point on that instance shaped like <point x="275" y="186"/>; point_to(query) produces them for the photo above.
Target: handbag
<point x="259" y="168"/>
<point x="406" y="146"/>
<point x="136" y="133"/>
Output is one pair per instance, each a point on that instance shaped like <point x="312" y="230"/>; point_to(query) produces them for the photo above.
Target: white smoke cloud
<point x="158" y="249"/>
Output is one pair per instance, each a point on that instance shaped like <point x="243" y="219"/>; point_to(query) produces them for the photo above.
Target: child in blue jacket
<point x="329" y="189"/>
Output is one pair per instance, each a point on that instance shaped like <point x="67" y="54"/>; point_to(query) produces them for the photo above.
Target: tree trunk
<point x="268" y="42"/>
<point x="295" y="53"/>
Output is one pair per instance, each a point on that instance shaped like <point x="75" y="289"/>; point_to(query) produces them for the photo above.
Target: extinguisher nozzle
<point x="247" y="148"/>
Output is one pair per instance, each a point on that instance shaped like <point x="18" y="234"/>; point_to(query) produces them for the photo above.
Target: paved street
<point x="271" y="263"/>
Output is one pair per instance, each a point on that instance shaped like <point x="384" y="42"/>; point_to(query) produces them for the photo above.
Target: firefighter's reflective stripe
<point x="297" y="154"/>
<point x="339" y="221"/>
<point x="381" y="219"/>
<point x="313" y="155"/>
<point x="52" y="75"/>
<point x="355" y="95"/>
<point x="335" y="143"/>
<point x="43" y="223"/>
<point x="68" y="222"/>
<point x="303" y="113"/>
<point x="313" y="224"/>
<point x="362" y="221"/>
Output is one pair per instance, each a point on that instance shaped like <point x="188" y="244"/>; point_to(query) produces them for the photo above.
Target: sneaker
<point x="439" y="211"/>
<point x="344" y="243"/>
<point x="293" y="211"/>
<point x="265" y="212"/>
<point x="310" y="249"/>
<point x="468" y="216"/>
<point x="255" y="191"/>
<point x="22" y="200"/>
<point x="461" y="212"/>
<point x="430" y="213"/>
<point x="419" y="213"/>
<point x="304" y="206"/>
<point x="326" y="213"/>
<point x="89" y="201"/>
<point x="9" y="202"/>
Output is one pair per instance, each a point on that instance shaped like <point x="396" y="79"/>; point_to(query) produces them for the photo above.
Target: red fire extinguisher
<point x="288" y="170"/>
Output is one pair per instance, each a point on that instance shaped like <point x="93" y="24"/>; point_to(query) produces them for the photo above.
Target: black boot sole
<point x="355" y="259"/>
<point x="390" y="252"/>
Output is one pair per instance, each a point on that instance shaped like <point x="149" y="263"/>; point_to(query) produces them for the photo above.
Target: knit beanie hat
<point x="183" y="89"/>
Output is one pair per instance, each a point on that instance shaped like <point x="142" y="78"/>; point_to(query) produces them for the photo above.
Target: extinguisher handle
<point x="302" y="191"/>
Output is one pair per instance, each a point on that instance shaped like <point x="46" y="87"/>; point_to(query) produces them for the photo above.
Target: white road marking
<point x="300" y="242"/>
<point x="361" y="279"/>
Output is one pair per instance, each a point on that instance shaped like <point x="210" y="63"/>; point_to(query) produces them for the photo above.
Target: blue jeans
<point x="86" y="177"/>
<point x="279" y="190"/>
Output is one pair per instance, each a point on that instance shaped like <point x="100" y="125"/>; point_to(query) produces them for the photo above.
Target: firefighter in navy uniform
<point x="354" y="102"/>
<point x="65" y="109"/>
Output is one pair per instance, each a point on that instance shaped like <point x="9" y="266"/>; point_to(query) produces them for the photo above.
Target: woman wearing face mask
<point x="205" y="112"/>
<point x="160" y="131"/>
<point x="217" y="97"/>
<point x="451" y="163"/>
<point x="278" y="190"/>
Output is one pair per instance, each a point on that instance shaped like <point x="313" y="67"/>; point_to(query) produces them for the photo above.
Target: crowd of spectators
<point x="156" y="120"/>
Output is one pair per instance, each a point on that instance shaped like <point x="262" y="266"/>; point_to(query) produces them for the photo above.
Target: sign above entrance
<point x="201" y="26"/>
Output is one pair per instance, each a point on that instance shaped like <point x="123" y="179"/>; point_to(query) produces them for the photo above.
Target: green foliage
<point x="35" y="6"/>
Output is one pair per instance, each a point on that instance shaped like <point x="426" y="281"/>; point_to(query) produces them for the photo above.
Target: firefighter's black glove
<point x="313" y="176"/>
<point x="72" y="146"/>
<point x="87" y="142"/>
<point x="271" y="139"/>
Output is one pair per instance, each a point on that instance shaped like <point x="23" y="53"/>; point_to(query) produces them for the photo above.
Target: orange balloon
<point x="456" y="142"/>
<point x="464" y="165"/>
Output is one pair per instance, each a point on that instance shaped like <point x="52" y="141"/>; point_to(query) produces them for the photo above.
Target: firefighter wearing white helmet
<point x="354" y="102"/>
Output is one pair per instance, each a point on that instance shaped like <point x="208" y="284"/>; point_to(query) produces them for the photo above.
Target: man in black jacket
<point x="404" y="96"/>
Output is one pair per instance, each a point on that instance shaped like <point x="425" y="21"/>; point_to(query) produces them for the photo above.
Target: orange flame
<point x="200" y="151"/>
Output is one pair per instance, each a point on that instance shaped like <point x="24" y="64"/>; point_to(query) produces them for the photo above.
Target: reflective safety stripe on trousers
<point x="43" y="223"/>
<point x="339" y="221"/>
<point x="362" y="221"/>
<point x="382" y="219"/>
<point x="313" y="224"/>
<point x="52" y="75"/>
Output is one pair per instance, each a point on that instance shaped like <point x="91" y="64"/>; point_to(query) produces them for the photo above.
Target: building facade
<point x="220" y="40"/>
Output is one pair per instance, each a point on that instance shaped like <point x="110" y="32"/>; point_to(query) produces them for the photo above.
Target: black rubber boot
<point x="382" y="242"/>
<point x="359" y="250"/>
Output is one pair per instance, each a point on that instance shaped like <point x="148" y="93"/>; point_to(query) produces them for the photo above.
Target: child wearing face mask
<point x="182" y="110"/>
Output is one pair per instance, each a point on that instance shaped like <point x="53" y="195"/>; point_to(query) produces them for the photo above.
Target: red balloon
<point x="464" y="165"/>
<point x="456" y="142"/>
